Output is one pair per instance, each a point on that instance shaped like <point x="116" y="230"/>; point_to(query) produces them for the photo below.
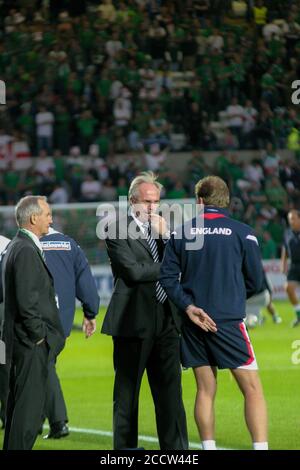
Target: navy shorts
<point x="294" y="273"/>
<point x="228" y="348"/>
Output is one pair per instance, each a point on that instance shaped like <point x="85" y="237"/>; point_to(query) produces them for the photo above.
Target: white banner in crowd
<point x="277" y="279"/>
<point x="104" y="280"/>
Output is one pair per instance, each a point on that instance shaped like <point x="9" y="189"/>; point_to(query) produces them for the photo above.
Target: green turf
<point x="85" y="369"/>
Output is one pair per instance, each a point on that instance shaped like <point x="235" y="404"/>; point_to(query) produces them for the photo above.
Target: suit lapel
<point x="26" y="238"/>
<point x="135" y="233"/>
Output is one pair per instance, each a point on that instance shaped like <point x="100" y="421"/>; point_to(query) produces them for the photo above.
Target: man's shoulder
<point x="240" y="227"/>
<point x="120" y="228"/>
<point x="288" y="233"/>
<point x="3" y="243"/>
<point x="21" y="247"/>
<point x="58" y="241"/>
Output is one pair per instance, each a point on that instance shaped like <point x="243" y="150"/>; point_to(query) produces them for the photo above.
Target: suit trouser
<point x="55" y="406"/>
<point x="4" y="387"/>
<point x="159" y="355"/>
<point x="26" y="400"/>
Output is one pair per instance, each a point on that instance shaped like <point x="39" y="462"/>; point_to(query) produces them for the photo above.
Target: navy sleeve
<point x="286" y="242"/>
<point x="86" y="290"/>
<point x="170" y="272"/>
<point x="252" y="265"/>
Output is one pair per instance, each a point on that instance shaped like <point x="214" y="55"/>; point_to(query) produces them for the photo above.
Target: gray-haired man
<point x="32" y="330"/>
<point x="143" y="323"/>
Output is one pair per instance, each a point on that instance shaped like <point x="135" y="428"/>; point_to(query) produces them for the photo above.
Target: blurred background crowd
<point x="97" y="91"/>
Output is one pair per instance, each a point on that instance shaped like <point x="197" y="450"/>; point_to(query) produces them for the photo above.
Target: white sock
<point x="260" y="446"/>
<point x="209" y="445"/>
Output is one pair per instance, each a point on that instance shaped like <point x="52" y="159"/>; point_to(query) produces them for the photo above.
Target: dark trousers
<point x="55" y="406"/>
<point x="26" y="400"/>
<point x="4" y="387"/>
<point x="159" y="356"/>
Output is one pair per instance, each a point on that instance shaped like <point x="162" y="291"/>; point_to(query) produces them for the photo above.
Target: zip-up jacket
<point x="72" y="277"/>
<point x="219" y="275"/>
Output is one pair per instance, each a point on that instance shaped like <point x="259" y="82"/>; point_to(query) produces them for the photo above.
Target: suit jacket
<point x="132" y="308"/>
<point x="29" y="307"/>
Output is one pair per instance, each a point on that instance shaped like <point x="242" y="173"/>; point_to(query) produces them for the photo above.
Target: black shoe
<point x="57" y="430"/>
<point x="296" y="322"/>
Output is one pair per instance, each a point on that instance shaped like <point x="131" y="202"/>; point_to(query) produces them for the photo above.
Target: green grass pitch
<point x="85" y="369"/>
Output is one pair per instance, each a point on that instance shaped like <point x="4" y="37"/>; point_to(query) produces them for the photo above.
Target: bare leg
<point x="290" y="288"/>
<point x="272" y="311"/>
<point x="206" y="379"/>
<point x="255" y="405"/>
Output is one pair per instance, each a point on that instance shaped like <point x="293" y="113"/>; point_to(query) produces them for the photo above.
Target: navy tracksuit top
<point x="223" y="270"/>
<point x="72" y="277"/>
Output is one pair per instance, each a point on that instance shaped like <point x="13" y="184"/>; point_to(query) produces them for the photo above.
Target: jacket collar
<point x="33" y="237"/>
<point x="136" y="232"/>
<point x="25" y="236"/>
<point x="215" y="212"/>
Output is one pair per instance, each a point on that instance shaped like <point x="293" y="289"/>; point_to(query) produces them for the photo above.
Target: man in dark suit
<point x="32" y="330"/>
<point x="144" y="324"/>
<point x="3" y="369"/>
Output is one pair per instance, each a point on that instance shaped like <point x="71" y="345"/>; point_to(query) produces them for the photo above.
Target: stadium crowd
<point x="141" y="78"/>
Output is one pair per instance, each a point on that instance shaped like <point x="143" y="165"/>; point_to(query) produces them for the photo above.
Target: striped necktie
<point x="160" y="293"/>
<point x="43" y="255"/>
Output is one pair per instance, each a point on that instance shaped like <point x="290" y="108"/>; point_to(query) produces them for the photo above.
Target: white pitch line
<point x="100" y="432"/>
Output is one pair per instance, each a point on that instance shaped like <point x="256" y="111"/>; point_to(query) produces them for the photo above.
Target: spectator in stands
<point x="59" y="194"/>
<point x="90" y="188"/>
<point x="235" y="113"/>
<point x="122" y="112"/>
<point x="44" y="120"/>
<point x="271" y="160"/>
<point x="260" y="13"/>
<point x="107" y="11"/>
<point x="86" y="125"/>
<point x="155" y="157"/>
<point x="43" y="164"/>
<point x="268" y="247"/>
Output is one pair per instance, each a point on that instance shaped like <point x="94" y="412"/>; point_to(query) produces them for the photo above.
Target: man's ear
<point x="200" y="201"/>
<point x="33" y="219"/>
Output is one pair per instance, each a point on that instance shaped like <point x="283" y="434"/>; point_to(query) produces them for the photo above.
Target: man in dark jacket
<point x="32" y="329"/>
<point x="4" y="379"/>
<point x="144" y="324"/>
<point x="212" y="264"/>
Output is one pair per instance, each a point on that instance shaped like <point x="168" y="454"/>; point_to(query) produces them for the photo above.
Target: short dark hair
<point x="213" y="190"/>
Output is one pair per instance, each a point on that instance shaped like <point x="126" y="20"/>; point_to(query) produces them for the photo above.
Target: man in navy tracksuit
<point x="211" y="266"/>
<point x="291" y="250"/>
<point x="72" y="279"/>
